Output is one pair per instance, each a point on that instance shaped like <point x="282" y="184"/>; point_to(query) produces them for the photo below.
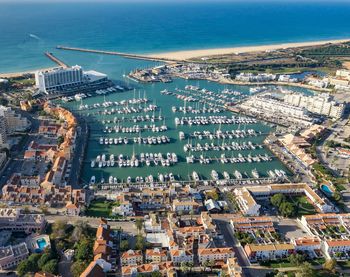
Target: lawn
<point x="100" y="208"/>
<point x="277" y="264"/>
<point x="305" y="207"/>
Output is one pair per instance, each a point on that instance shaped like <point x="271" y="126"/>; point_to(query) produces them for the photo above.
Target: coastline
<point x="20" y="74"/>
<point x="191" y="54"/>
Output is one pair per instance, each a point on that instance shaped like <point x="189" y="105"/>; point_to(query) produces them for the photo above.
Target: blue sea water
<point x="27" y="30"/>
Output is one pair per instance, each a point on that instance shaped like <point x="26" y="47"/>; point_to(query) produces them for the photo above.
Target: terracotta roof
<point x="213" y="251"/>
<point x="93" y="270"/>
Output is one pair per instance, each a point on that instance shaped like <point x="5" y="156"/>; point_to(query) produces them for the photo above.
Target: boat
<point x="238" y="174"/>
<point x="161" y="178"/>
<point x="128" y="180"/>
<point x="92" y="180"/>
<point x="226" y="175"/>
<point x="214" y="175"/>
<point x="110" y="180"/>
<point x="101" y="140"/>
<point x="92" y="163"/>
<point x="195" y="176"/>
<point x="255" y="173"/>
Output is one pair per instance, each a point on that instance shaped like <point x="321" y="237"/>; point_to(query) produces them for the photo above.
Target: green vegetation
<point x="212" y="195"/>
<point x="47" y="262"/>
<point x="60" y="140"/>
<point x="101" y="208"/>
<point x="141" y="243"/>
<point x="330" y="50"/>
<point x="292" y="206"/>
<point x="244" y="238"/>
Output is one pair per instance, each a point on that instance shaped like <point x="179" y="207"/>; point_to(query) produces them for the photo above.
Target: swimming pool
<point x="326" y="189"/>
<point x="41" y="243"/>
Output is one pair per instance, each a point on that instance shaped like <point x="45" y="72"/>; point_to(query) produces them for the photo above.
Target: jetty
<point x="114" y="53"/>
<point x="56" y="60"/>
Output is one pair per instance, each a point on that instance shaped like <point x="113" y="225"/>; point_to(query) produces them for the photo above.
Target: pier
<point x="114" y="53"/>
<point x="55" y="59"/>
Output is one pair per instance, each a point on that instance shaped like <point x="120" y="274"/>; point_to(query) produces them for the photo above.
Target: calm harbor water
<point x="182" y="170"/>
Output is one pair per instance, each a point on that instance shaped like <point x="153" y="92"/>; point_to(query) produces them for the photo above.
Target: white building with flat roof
<point x="58" y="78"/>
<point x="11" y="256"/>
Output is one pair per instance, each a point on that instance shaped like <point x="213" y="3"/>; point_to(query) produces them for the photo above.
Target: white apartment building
<point x="124" y="209"/>
<point x="307" y="244"/>
<point x="277" y="107"/>
<point x="58" y="78"/>
<point x="331" y="247"/>
<point x="185" y="206"/>
<point x="256" y="252"/>
<point x="13" y="121"/>
<point x="15" y="220"/>
<point x="320" y="104"/>
<point x="343" y="73"/>
<point x="250" y="77"/>
<point x="181" y="255"/>
<point x="11" y="256"/>
<point x="215" y="254"/>
<point x="131" y="257"/>
<point x="3" y="132"/>
<point x="246" y="202"/>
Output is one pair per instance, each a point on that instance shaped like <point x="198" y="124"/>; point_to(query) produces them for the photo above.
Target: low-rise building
<point x="124" y="209"/>
<point x="17" y="221"/>
<point x="252" y="224"/>
<point x="156" y="255"/>
<point x="215" y="254"/>
<point x="166" y="269"/>
<point x="11" y="256"/>
<point x="131" y="257"/>
<point x="181" y="255"/>
<point x="335" y="248"/>
<point x="185" y="206"/>
<point x="233" y="268"/>
<point x="265" y="252"/>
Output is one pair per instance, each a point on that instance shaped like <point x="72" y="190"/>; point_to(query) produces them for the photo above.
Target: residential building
<point x="73" y="209"/>
<point x="335" y="248"/>
<point x="97" y="268"/>
<point x="233" y="268"/>
<point x="246" y="202"/>
<point x="3" y="132"/>
<point x="17" y="221"/>
<point x="131" y="257"/>
<point x="308" y="245"/>
<point x="13" y="122"/>
<point x="124" y="209"/>
<point x="215" y="254"/>
<point x="166" y="269"/>
<point x="181" y="255"/>
<point x="323" y="104"/>
<point x="264" y="252"/>
<point x="252" y="224"/>
<point x="156" y="255"/>
<point x="11" y="256"/>
<point x="185" y="206"/>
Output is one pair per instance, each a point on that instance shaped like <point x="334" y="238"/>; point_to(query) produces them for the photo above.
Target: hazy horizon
<point x="166" y="1"/>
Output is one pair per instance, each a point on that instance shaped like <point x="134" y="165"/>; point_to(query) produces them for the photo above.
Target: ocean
<point x="27" y="30"/>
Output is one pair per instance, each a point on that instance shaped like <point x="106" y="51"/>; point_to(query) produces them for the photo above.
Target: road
<point x="231" y="241"/>
<point x="127" y="226"/>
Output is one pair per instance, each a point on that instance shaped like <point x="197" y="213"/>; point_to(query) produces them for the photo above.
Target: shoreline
<point x="199" y="53"/>
<point x="20" y="74"/>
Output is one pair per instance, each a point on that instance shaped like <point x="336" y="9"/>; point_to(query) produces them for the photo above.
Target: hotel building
<point x="58" y="78"/>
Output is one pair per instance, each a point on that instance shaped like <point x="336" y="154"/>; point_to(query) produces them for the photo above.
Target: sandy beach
<point x="189" y="54"/>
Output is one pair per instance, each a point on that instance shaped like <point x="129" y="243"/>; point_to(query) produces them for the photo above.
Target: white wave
<point x="34" y="36"/>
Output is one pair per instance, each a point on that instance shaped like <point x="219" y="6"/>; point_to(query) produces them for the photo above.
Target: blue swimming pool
<point x="326" y="189"/>
<point x="41" y="243"/>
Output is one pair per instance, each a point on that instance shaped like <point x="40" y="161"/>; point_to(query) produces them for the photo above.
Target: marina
<point x="124" y="146"/>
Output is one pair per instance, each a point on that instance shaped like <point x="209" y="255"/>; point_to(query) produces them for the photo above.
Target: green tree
<point x="306" y="270"/>
<point x="124" y="245"/>
<point x="337" y="196"/>
<point x="60" y="140"/>
<point x="296" y="259"/>
<point x="78" y="267"/>
<point x="277" y="199"/>
<point x="286" y="209"/>
<point x="51" y="266"/>
<point x="43" y="260"/>
<point x="84" y="250"/>
<point x="184" y="268"/>
<point x="156" y="274"/>
<point x="139" y="224"/>
<point x="140" y="242"/>
<point x="59" y="229"/>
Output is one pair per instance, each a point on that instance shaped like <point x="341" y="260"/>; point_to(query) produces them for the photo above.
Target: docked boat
<point x="214" y="175"/>
<point x="255" y="173"/>
<point x="238" y="175"/>
<point x="195" y="176"/>
<point x="92" y="163"/>
<point x="92" y="180"/>
<point x="226" y="175"/>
